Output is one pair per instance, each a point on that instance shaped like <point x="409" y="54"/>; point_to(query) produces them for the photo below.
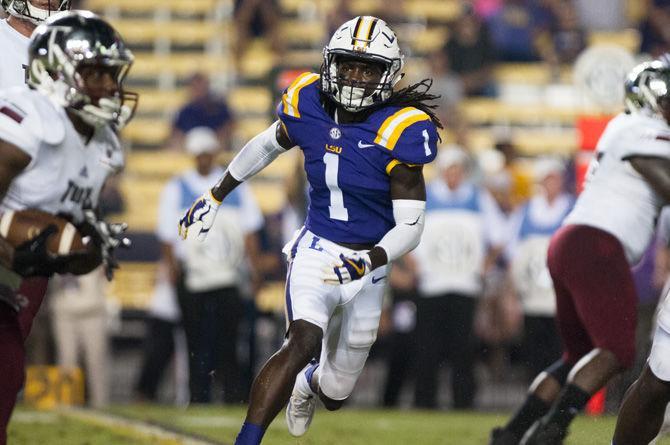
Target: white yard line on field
<point x="138" y="429"/>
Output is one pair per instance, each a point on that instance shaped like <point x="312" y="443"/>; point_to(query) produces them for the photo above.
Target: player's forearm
<point x="409" y="216"/>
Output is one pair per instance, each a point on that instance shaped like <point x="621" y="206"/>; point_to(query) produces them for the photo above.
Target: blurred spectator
<point x="601" y="15"/>
<point x="161" y="338"/>
<point x="462" y="238"/>
<point x="203" y="109"/>
<point x="449" y="87"/>
<point x="532" y="227"/>
<point x="79" y="318"/>
<point x="257" y="18"/>
<point x="402" y="342"/>
<point x="212" y="272"/>
<point x="565" y="39"/>
<point x="655" y="29"/>
<point x="520" y="174"/>
<point x="515" y="27"/>
<point x="470" y="54"/>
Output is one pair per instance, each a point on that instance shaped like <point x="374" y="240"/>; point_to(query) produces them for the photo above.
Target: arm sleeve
<point x="409" y="215"/>
<point x="257" y="154"/>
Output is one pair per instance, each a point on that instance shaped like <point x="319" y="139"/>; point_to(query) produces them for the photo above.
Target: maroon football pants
<point x="596" y="301"/>
<point x="14" y="329"/>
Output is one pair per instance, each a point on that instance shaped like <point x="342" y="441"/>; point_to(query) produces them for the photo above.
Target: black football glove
<point x="32" y="259"/>
<point x="107" y="237"/>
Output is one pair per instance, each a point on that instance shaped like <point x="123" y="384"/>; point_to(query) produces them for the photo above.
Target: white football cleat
<point x="299" y="413"/>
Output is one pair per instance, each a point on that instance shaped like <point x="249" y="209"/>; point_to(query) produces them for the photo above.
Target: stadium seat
<point x="160" y="101"/>
<point x="443" y="11"/>
<point x="250" y="100"/>
<point x="182" y="32"/>
<point x="151" y="6"/>
<point x="157" y="166"/>
<point x="133" y="285"/>
<point x="301" y="33"/>
<point x="180" y="65"/>
<point x="626" y="38"/>
<point x="490" y="111"/>
<point x="147" y="131"/>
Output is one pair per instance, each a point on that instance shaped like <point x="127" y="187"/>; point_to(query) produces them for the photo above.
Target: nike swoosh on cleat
<point x="377" y="280"/>
<point x="362" y="145"/>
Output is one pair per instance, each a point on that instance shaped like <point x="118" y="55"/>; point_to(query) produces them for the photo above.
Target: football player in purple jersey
<point x="364" y="145"/>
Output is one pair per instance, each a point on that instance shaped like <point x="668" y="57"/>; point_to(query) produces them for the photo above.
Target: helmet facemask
<point x="360" y="95"/>
<point x="25" y="10"/>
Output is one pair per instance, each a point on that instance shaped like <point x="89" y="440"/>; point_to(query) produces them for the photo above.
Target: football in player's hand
<point x="20" y="226"/>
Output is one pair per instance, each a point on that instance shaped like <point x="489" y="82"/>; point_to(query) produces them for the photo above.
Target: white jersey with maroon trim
<point x="66" y="173"/>
<point x="14" y="53"/>
<point x="616" y="198"/>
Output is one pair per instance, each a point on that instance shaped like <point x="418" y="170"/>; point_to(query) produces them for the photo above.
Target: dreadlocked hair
<point x="417" y="96"/>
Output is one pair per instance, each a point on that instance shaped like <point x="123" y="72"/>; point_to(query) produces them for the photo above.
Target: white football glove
<point x="202" y="211"/>
<point x="348" y="268"/>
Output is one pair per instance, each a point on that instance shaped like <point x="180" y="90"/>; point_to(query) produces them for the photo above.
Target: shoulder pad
<point x="34" y="115"/>
<point x="410" y="135"/>
<point x="291" y="106"/>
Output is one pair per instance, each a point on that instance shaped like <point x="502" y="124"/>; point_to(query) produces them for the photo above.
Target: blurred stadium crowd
<point x="192" y="322"/>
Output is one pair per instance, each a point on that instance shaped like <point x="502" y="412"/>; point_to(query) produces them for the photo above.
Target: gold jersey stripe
<point x="401" y="127"/>
<point x="394" y="162"/>
<point x="388" y="122"/>
<point x="292" y="95"/>
<point x="391" y="129"/>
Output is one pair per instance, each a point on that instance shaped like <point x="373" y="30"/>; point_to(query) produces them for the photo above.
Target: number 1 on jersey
<point x="336" y="207"/>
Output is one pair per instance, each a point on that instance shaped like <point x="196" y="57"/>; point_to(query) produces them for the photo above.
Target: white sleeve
<point x="168" y="213"/>
<point x="513" y="229"/>
<point x="409" y="215"/>
<point x="252" y="217"/>
<point x="258" y="153"/>
<point x="16" y="128"/>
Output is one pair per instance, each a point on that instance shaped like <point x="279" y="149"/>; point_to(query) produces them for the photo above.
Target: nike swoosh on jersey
<point x="377" y="280"/>
<point x="362" y="145"/>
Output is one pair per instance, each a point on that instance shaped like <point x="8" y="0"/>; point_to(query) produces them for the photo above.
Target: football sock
<point x="312" y="376"/>
<point x="570" y="402"/>
<point x="250" y="434"/>
<point x="533" y="408"/>
<point x="303" y="382"/>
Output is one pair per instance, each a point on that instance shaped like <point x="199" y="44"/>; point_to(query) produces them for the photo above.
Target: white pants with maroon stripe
<point x="348" y="314"/>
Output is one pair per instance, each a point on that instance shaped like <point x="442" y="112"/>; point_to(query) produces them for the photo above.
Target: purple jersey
<point x="348" y="165"/>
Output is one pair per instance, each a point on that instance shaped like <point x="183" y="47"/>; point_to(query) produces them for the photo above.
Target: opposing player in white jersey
<point x="642" y="412"/>
<point x="58" y="145"/>
<point x="15" y="31"/>
<point x="589" y="259"/>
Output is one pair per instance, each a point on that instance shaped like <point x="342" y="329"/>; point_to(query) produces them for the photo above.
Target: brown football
<point x="19" y="226"/>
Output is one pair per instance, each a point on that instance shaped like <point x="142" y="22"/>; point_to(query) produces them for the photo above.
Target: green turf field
<point x="349" y="426"/>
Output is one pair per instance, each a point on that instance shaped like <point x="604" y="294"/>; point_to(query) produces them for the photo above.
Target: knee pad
<point x="340" y="372"/>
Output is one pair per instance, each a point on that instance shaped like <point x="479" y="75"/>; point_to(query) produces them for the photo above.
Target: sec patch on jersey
<point x="20" y="226"/>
